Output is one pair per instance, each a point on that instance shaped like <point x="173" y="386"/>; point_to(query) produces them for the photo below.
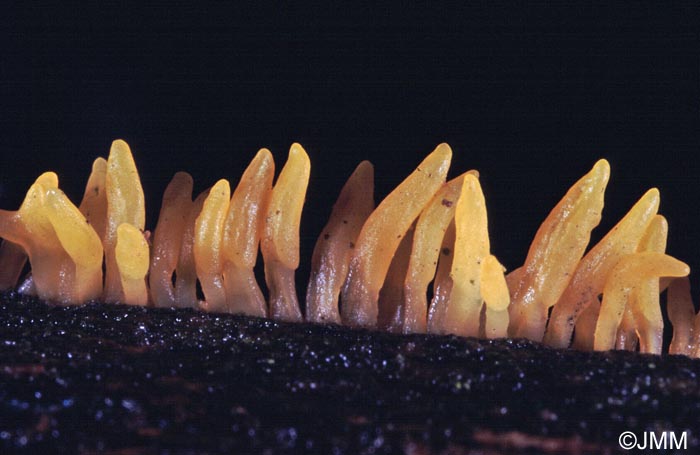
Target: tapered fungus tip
<point x="365" y="171"/>
<point x="298" y="155"/>
<point x="182" y="180"/>
<point x="48" y="180"/>
<point x="443" y="152"/>
<point x="264" y="155"/>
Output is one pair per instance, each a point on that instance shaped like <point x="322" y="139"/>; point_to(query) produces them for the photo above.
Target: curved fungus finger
<point x="208" y="246"/>
<point x="80" y="242"/>
<point x="556" y="250"/>
<point x="94" y="203"/>
<point x="331" y="256"/>
<point x="131" y="253"/>
<point x="472" y="246"/>
<point x="427" y="238"/>
<point x="381" y="234"/>
<point x="125" y="204"/>
<point x="494" y="291"/>
<point x="242" y="231"/>
<point x="167" y="239"/>
<point x="623" y="279"/>
<point x="280" y="241"/>
<point x="592" y="271"/>
<point x="681" y="313"/>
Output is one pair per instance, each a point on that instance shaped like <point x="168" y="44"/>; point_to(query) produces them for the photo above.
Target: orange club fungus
<point x="418" y="262"/>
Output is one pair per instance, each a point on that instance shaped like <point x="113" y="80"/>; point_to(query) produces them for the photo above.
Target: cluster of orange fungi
<point x="371" y="267"/>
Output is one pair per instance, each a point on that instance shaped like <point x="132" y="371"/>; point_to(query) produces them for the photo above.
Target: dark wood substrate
<point x="117" y="379"/>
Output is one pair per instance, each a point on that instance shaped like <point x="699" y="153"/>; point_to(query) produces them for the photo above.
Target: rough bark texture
<point x="131" y="380"/>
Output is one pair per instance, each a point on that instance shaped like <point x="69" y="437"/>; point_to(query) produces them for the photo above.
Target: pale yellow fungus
<point x="644" y="301"/>
<point x="242" y="231"/>
<point x="471" y="248"/>
<point x="380" y="260"/>
<point x="494" y="292"/>
<point x="125" y="204"/>
<point x="556" y="250"/>
<point x="208" y="246"/>
<point x="430" y="231"/>
<point x="280" y="241"/>
<point x="623" y="279"/>
<point x="592" y="271"/>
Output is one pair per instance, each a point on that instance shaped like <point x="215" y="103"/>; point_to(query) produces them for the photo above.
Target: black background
<point x="530" y="96"/>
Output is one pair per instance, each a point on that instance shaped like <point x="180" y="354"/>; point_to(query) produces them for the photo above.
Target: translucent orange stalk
<point x="167" y="240"/>
<point x="556" y="250"/>
<point x="381" y="234"/>
<point x="125" y="204"/>
<point x="623" y="279"/>
<point x="208" y="246"/>
<point x="186" y="270"/>
<point x="331" y="257"/>
<point x="591" y="273"/>
<point x="280" y="242"/>
<point x="681" y="313"/>
<point x="242" y="231"/>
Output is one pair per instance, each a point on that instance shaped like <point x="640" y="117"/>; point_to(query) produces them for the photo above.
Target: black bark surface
<point x="119" y="379"/>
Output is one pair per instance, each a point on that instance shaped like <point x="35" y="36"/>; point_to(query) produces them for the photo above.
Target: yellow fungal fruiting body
<point x="589" y="277"/>
<point x="556" y="250"/>
<point x="125" y="204"/>
<point x="208" y="246"/>
<point x="131" y="254"/>
<point x="624" y="278"/>
<point x="242" y="231"/>
<point x="644" y="301"/>
<point x="280" y="242"/>
<point x="471" y="247"/>
<point x="380" y="261"/>
<point x="381" y="234"/>
<point x="428" y="236"/>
